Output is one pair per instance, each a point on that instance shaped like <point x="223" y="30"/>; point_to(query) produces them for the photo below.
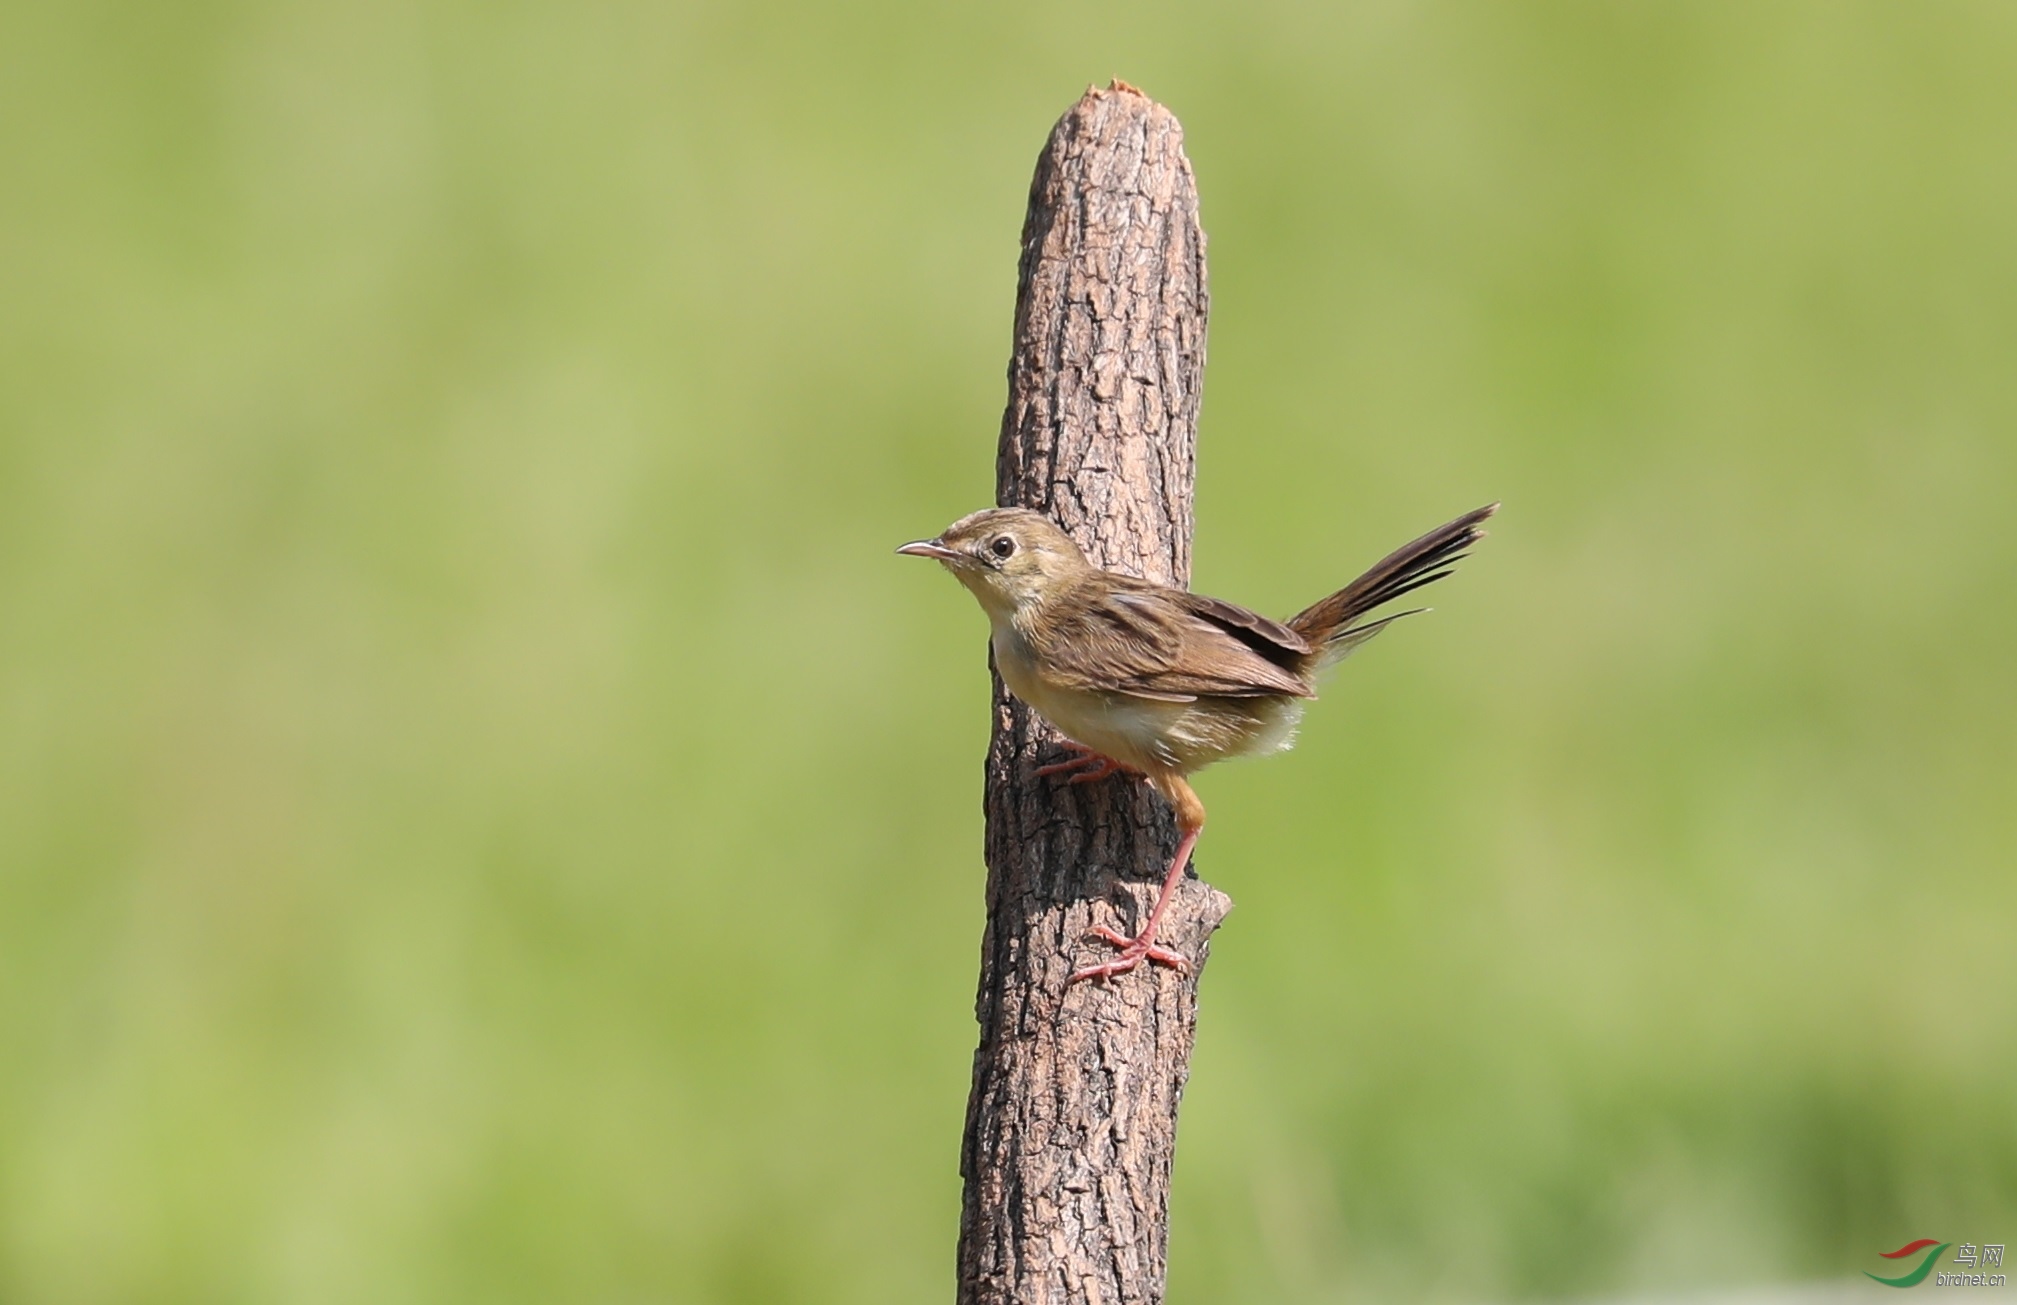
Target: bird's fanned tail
<point x="1328" y="624"/>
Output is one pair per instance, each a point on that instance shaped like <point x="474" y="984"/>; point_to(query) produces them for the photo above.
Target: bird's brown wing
<point x="1133" y="637"/>
<point x="1271" y="639"/>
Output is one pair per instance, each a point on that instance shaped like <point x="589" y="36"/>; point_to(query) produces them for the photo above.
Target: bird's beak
<point x="929" y="548"/>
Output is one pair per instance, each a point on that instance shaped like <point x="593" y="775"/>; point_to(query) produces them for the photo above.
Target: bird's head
<point x="1012" y="558"/>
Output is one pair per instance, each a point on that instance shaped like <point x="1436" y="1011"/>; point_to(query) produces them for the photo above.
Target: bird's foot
<point x="1090" y="765"/>
<point x="1133" y="952"/>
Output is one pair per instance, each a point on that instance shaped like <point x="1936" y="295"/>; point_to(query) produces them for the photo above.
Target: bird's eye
<point x="1002" y="547"/>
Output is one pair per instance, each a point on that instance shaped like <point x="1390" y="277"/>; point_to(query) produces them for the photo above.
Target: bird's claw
<point x="1090" y="765"/>
<point x="1133" y="952"/>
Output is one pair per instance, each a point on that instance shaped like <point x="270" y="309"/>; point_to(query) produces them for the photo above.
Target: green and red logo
<point x="1970" y="1261"/>
<point x="1918" y="1275"/>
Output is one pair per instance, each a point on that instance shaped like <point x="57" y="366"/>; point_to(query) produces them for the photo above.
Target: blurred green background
<point x="484" y="816"/>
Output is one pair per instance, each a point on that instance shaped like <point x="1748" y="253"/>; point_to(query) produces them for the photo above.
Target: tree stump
<point x="1071" y="1124"/>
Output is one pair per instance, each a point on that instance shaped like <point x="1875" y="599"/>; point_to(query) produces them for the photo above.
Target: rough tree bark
<point x="1072" y="1121"/>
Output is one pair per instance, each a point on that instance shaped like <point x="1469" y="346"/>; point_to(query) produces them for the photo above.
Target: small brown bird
<point x="1154" y="681"/>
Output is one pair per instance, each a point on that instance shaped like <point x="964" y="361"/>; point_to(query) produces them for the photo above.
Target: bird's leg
<point x="1142" y="947"/>
<point x="1090" y="765"/>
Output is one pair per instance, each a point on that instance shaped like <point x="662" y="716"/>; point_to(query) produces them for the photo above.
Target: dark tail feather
<point x="1328" y="623"/>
